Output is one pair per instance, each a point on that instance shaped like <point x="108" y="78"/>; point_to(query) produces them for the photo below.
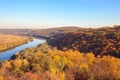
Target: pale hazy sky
<point x="55" y="13"/>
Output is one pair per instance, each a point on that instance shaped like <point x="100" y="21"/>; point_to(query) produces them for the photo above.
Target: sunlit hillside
<point x="10" y="41"/>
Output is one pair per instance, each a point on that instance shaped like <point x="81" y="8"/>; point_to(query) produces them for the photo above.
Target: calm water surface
<point x="6" y="55"/>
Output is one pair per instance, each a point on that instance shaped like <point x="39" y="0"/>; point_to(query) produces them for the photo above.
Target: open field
<point x="11" y="41"/>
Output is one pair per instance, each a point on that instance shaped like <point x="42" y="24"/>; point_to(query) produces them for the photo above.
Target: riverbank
<point x="11" y="41"/>
<point x="6" y="55"/>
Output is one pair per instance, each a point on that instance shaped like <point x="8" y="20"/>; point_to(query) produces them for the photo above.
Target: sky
<point x="58" y="13"/>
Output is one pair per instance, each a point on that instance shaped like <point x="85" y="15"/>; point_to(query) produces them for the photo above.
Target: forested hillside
<point x="82" y="54"/>
<point x="47" y="63"/>
<point x="100" y="41"/>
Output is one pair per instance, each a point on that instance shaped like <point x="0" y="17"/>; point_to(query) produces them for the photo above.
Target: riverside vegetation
<point x="46" y="63"/>
<point x="67" y="60"/>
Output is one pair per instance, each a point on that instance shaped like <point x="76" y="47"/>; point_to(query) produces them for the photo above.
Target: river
<point x="6" y="55"/>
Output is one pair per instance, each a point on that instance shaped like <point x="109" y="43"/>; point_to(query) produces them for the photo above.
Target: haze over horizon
<point x="58" y="13"/>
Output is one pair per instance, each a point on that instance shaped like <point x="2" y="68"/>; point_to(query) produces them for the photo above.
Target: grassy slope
<point x="10" y="41"/>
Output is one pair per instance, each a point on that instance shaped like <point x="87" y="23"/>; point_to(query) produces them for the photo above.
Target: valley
<point x="80" y="54"/>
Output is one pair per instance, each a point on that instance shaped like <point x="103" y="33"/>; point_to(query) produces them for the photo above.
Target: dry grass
<point x="10" y="41"/>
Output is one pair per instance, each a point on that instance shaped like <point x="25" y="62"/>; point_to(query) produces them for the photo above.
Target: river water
<point x="6" y="55"/>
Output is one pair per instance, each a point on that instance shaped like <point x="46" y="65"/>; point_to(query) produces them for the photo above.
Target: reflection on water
<point x="6" y="55"/>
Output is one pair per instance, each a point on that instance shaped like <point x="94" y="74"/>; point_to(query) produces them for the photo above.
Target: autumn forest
<point x="77" y="54"/>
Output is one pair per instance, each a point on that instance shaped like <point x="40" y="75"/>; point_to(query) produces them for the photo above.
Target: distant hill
<point x="38" y="32"/>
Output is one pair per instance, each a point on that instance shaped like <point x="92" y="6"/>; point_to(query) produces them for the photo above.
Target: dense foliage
<point x="47" y="63"/>
<point x="101" y="41"/>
